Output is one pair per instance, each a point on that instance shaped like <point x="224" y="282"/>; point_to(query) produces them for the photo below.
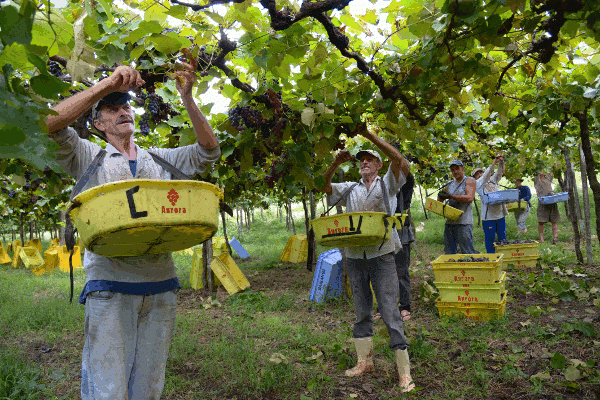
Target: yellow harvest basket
<point x="467" y="272"/>
<point x="136" y="217"/>
<point x="402" y="218"/>
<point x="521" y="262"/>
<point x="472" y="292"/>
<point x="442" y="209"/>
<point x="516" y="206"/>
<point x="354" y="229"/>
<point x="476" y="311"/>
<point x="517" y="250"/>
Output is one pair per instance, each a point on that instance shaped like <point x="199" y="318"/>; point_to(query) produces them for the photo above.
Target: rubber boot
<point x="406" y="383"/>
<point x="364" y="349"/>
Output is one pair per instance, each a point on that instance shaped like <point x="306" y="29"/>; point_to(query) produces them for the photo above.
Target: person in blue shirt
<point x="521" y="215"/>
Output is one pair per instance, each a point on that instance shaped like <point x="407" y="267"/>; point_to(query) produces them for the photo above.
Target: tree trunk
<point x="291" y="216"/>
<point x="22" y="229"/>
<point x="238" y="222"/>
<point x="577" y="202"/>
<point x="423" y="203"/>
<point x="586" y="209"/>
<point x="207" y="256"/>
<point x="309" y="258"/>
<point x="477" y="212"/>
<point x="262" y="214"/>
<point x="590" y="164"/>
<point x="225" y="232"/>
<point x="306" y="212"/>
<point x="30" y="230"/>
<point x="563" y="187"/>
<point x="313" y="215"/>
<point x="324" y="205"/>
<point x="569" y="183"/>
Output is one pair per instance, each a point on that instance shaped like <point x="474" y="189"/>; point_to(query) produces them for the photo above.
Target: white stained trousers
<point x="127" y="339"/>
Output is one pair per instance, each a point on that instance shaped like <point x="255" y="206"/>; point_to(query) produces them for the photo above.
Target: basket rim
<point x="120" y="185"/>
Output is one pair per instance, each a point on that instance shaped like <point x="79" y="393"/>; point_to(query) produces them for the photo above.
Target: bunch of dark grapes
<point x="245" y="117"/>
<point x="145" y="124"/>
<point x="54" y="68"/>
<point x="154" y="101"/>
<point x="276" y="172"/>
<point x="341" y="145"/>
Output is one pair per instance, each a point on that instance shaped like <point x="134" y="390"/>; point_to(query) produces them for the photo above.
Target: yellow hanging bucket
<point x="142" y="216"/>
<point x="354" y="229"/>
<point x="442" y="209"/>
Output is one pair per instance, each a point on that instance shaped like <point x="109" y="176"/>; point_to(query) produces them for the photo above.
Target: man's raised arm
<point x="123" y="80"/>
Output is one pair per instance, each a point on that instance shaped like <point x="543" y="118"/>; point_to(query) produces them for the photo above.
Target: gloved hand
<point x="443" y="195"/>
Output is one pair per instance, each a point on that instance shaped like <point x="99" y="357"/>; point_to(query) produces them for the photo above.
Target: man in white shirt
<point x="374" y="265"/>
<point x="492" y="215"/>
<point x="130" y="302"/>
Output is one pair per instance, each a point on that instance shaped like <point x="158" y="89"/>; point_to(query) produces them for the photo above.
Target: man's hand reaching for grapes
<point x="185" y="79"/>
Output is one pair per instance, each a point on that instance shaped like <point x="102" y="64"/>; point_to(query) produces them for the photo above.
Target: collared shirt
<point x="486" y="184"/>
<point x="142" y="274"/>
<point x="543" y="185"/>
<point x="371" y="199"/>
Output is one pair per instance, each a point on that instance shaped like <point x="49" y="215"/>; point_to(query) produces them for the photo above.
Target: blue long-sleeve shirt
<point x="525" y="193"/>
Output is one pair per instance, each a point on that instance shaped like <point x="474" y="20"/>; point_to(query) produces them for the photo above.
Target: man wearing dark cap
<point x="130" y="302"/>
<point x="460" y="194"/>
<point x="374" y="265"/>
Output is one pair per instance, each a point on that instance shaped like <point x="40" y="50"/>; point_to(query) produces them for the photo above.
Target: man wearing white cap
<point x="374" y="265"/>
<point x="130" y="302"/>
<point x="460" y="194"/>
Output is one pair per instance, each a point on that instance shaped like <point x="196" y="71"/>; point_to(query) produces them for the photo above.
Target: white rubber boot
<point x="406" y="383"/>
<point x="364" y="349"/>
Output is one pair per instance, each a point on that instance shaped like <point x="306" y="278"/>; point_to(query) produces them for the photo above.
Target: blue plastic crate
<point x="327" y="281"/>
<point x="239" y="249"/>
<point x="500" y="197"/>
<point x="553" y="199"/>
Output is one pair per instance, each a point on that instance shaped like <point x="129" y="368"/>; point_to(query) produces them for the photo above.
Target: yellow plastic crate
<point x="442" y="209"/>
<point x="226" y="270"/>
<point x="63" y="257"/>
<point x="16" y="254"/>
<point x="55" y="243"/>
<point x="4" y="257"/>
<point x="472" y="292"/>
<point x="51" y="259"/>
<point x="30" y="257"/>
<point x="296" y="249"/>
<point x="521" y="262"/>
<point x="143" y="216"/>
<point x="198" y="270"/>
<point x="219" y="245"/>
<point x="35" y="243"/>
<point x="468" y="272"/>
<point x="12" y="246"/>
<point x="355" y="229"/>
<point x="476" y="311"/>
<point x="517" y="250"/>
<point x="516" y="206"/>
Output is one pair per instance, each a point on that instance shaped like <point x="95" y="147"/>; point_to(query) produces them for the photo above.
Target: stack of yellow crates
<point x="521" y="254"/>
<point x="472" y="285"/>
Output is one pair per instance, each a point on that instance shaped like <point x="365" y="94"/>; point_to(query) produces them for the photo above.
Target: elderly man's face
<point x="458" y="171"/>
<point x="477" y="175"/>
<point x="369" y="165"/>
